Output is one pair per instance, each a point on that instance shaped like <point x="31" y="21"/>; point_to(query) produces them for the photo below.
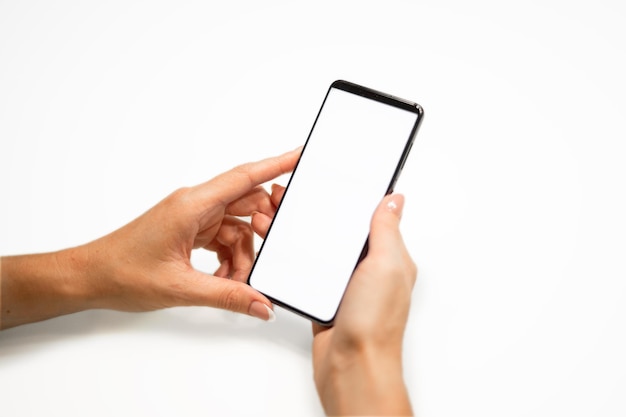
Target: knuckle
<point x="245" y="230"/>
<point x="229" y="299"/>
<point x="403" y="268"/>
<point x="413" y="270"/>
<point x="179" y="196"/>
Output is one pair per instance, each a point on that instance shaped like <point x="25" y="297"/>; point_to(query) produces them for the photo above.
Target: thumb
<point x="385" y="226"/>
<point x="211" y="291"/>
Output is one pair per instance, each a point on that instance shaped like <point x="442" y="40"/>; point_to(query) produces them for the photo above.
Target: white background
<point x="515" y="193"/>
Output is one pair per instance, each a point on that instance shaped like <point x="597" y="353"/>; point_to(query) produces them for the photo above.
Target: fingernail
<point x="396" y="204"/>
<point x="261" y="311"/>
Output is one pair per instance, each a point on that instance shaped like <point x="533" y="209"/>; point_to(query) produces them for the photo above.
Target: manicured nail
<point x="396" y="204"/>
<point x="270" y="314"/>
<point x="261" y="311"/>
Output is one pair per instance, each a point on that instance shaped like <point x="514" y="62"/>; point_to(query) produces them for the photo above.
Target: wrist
<point x="76" y="272"/>
<point x="42" y="286"/>
<point x="367" y="382"/>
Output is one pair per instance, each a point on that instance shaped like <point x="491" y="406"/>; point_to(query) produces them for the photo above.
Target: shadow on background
<point x="198" y="323"/>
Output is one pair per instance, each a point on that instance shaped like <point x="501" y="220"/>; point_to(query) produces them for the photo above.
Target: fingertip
<point x="385" y="231"/>
<point x="261" y="311"/>
<point x="278" y="191"/>
<point x="393" y="203"/>
<point x="294" y="154"/>
<point x="223" y="270"/>
<point x="260" y="224"/>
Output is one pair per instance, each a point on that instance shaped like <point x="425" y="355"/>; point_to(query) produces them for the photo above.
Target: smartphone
<point x="350" y="161"/>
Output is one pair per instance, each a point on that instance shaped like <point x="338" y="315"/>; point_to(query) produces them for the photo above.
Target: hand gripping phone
<point x="351" y="159"/>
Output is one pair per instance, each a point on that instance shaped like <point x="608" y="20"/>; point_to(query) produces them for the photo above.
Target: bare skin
<point x="145" y="266"/>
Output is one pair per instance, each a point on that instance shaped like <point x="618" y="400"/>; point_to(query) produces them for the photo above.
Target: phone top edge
<point x="378" y="95"/>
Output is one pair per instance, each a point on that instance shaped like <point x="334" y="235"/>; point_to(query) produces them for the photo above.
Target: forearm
<point x="42" y="286"/>
<point x="366" y="384"/>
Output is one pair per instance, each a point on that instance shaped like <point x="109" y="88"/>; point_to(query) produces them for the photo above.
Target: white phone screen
<point x="322" y="224"/>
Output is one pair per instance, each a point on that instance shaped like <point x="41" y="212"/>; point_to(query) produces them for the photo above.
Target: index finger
<point x="236" y="182"/>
